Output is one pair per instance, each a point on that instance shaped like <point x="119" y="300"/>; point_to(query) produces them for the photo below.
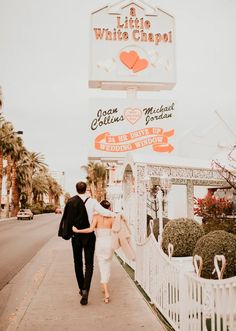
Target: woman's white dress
<point x="104" y="252"/>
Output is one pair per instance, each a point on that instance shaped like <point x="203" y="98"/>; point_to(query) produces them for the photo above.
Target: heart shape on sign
<point x="140" y="64"/>
<point x="129" y="58"/>
<point x="132" y="114"/>
<point x="132" y="61"/>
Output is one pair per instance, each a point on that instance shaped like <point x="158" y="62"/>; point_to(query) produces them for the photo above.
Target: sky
<point x="44" y="72"/>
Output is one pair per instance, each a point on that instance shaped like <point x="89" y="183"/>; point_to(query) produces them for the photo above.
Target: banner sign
<point x="118" y="127"/>
<point x="132" y="44"/>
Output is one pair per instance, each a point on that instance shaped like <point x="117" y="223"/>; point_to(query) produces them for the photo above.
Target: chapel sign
<point x="118" y="127"/>
<point x="132" y="45"/>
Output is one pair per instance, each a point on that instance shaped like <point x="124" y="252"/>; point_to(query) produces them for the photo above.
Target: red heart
<point x="140" y="64"/>
<point x="129" y="58"/>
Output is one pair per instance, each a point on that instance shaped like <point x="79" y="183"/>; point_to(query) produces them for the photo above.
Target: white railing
<point x="188" y="302"/>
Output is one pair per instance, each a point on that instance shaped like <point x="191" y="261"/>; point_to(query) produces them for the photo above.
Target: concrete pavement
<point x="44" y="296"/>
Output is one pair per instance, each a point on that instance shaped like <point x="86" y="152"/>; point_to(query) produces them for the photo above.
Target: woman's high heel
<point x="106" y="299"/>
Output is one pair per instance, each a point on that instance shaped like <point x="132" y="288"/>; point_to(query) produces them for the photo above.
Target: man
<point x="83" y="242"/>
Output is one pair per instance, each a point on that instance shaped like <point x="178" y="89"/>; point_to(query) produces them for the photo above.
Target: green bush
<point x="219" y="223"/>
<point x="156" y="226"/>
<point x="182" y="233"/>
<point x="49" y="208"/>
<point x="217" y="243"/>
<point x="36" y="208"/>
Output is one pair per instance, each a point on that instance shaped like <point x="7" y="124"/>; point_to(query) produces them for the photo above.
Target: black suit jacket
<point x="75" y="213"/>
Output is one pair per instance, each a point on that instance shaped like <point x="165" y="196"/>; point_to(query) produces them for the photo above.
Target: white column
<point x="171" y="203"/>
<point x="160" y="214"/>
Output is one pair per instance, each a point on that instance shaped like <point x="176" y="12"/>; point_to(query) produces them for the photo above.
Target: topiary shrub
<point x="36" y="208"/>
<point x="226" y="223"/>
<point x="156" y="226"/>
<point x="183" y="234"/>
<point x="217" y="243"/>
<point x="49" y="209"/>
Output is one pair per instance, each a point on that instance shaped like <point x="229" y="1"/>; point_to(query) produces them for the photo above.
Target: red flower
<point x="211" y="206"/>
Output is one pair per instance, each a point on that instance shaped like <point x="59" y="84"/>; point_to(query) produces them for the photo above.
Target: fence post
<point x="183" y="301"/>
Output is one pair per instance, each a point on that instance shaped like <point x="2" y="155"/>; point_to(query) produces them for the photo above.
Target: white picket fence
<point x="188" y="302"/>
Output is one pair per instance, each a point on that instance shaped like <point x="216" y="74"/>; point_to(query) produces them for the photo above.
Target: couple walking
<point x="82" y="215"/>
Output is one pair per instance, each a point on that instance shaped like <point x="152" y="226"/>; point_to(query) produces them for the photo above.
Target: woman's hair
<point x="105" y="203"/>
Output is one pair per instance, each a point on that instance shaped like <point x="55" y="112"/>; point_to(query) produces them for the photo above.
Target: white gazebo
<point x="187" y="178"/>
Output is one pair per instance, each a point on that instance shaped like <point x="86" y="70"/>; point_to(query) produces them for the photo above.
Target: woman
<point x="103" y="248"/>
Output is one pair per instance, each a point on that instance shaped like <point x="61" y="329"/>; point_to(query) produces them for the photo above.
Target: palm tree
<point x="8" y="148"/>
<point x="97" y="179"/>
<point x="57" y="192"/>
<point x="66" y="197"/>
<point x="26" y="172"/>
<point x="36" y="164"/>
<point x="39" y="187"/>
<point x="54" y="190"/>
<point x="12" y="149"/>
<point x="1" y="157"/>
<point x="21" y="175"/>
<point x="5" y="133"/>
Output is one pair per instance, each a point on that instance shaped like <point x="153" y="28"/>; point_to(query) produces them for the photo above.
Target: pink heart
<point x="129" y="58"/>
<point x="132" y="114"/>
<point x="140" y="64"/>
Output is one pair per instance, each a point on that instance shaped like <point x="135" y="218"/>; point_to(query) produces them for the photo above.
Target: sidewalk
<point x="7" y="219"/>
<point x="44" y="296"/>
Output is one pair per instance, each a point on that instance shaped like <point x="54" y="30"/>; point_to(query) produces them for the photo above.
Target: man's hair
<point x="106" y="204"/>
<point x="81" y="187"/>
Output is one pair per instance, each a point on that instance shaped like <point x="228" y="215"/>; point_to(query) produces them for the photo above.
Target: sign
<point x="120" y="126"/>
<point x="132" y="44"/>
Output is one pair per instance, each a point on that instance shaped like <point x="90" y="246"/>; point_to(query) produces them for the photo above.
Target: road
<point x="21" y="240"/>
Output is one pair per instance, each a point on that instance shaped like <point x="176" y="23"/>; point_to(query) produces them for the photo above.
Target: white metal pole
<point x="132" y="94"/>
<point x="160" y="214"/>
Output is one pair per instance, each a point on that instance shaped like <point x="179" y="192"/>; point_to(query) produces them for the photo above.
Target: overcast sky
<point x="44" y="66"/>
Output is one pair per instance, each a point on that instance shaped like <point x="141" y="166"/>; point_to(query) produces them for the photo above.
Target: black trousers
<point x="83" y="269"/>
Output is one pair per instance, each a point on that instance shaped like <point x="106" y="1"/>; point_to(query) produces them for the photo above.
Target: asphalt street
<point x="21" y="240"/>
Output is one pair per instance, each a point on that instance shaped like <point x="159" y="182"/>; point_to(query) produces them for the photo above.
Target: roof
<point x="168" y="160"/>
<point x="118" y="6"/>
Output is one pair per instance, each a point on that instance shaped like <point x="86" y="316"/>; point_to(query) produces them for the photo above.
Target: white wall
<point x="177" y="201"/>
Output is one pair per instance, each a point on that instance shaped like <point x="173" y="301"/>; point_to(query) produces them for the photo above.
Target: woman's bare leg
<point x="106" y="292"/>
<point x="102" y="288"/>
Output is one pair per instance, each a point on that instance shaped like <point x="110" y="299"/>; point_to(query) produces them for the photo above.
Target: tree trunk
<point x="15" y="192"/>
<point x="1" y="175"/>
<point x="50" y="197"/>
<point x="93" y="190"/>
<point x="99" y="192"/>
<point x="30" y="191"/>
<point x="8" y="184"/>
<point x="56" y="200"/>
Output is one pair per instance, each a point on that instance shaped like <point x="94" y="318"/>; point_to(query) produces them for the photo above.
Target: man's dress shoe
<point x="84" y="299"/>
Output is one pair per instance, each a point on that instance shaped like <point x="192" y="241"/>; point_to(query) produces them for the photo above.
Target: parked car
<point x="58" y="210"/>
<point x="25" y="214"/>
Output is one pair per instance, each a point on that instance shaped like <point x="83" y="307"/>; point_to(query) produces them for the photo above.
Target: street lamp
<point x="165" y="185"/>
